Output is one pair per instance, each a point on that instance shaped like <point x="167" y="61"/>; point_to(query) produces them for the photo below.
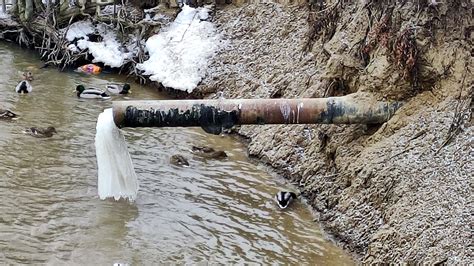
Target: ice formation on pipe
<point x="117" y="178"/>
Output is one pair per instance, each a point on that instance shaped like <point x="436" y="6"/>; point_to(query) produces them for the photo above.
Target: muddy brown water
<point x="212" y="211"/>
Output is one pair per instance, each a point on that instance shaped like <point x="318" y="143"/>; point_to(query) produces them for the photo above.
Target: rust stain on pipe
<point x="213" y="115"/>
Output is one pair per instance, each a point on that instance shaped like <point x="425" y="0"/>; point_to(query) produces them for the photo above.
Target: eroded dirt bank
<point x="401" y="191"/>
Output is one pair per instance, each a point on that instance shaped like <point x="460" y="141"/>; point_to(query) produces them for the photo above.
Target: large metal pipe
<point x="213" y="115"/>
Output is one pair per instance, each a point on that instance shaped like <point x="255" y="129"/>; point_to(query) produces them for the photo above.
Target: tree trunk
<point x="48" y="6"/>
<point x="21" y="10"/>
<point x="4" y="6"/>
<point x="63" y="6"/>
<point x="38" y="5"/>
<point x="29" y="9"/>
<point x="14" y="7"/>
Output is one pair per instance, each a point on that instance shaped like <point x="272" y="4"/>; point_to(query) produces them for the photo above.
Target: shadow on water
<point x="215" y="211"/>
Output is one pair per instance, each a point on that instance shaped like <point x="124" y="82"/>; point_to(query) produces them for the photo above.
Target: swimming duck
<point x="27" y="75"/>
<point x="91" y="93"/>
<point x="119" y="89"/>
<point x="179" y="160"/>
<point x="40" y="132"/>
<point x="208" y="152"/>
<point x="284" y="198"/>
<point x="23" y="87"/>
<point x="6" y="114"/>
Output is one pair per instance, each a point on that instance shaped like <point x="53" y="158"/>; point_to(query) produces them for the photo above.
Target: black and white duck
<point x="284" y="198"/>
<point x="91" y="93"/>
<point x="7" y="114"/>
<point x="208" y="152"/>
<point x="118" y="88"/>
<point x="23" y="87"/>
<point x="39" y="132"/>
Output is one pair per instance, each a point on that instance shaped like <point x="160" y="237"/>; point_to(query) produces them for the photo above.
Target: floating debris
<point x="90" y="69"/>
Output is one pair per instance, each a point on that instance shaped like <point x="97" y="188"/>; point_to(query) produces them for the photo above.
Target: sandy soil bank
<point x="401" y="191"/>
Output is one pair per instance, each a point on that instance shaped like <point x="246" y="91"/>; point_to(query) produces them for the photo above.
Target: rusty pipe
<point x="213" y="115"/>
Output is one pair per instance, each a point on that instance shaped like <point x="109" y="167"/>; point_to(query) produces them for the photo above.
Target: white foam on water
<point x="117" y="176"/>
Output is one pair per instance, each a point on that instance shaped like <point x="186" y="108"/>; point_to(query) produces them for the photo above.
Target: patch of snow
<point x="71" y="3"/>
<point x="3" y="15"/>
<point x="203" y="13"/>
<point x="52" y="2"/>
<point x="179" y="54"/>
<point x="72" y="48"/>
<point x="109" y="51"/>
<point x="80" y="30"/>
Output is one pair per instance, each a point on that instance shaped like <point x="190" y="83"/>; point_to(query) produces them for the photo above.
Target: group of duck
<point x="24" y="86"/>
<point x="95" y="93"/>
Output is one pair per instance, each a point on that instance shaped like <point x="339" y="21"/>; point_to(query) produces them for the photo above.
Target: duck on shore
<point x="23" y="87"/>
<point x="284" y="198"/>
<point x="39" y="132"/>
<point x="7" y="114"/>
<point x="208" y="152"/>
<point x="118" y="88"/>
<point x="91" y="93"/>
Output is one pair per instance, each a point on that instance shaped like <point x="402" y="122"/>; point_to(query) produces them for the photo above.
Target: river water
<point x="215" y="211"/>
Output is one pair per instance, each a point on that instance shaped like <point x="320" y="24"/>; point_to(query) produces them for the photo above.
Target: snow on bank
<point x="109" y="51"/>
<point x="4" y="15"/>
<point x="179" y="53"/>
<point x="80" y="30"/>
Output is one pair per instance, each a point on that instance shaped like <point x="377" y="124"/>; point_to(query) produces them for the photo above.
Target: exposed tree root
<point x="46" y="31"/>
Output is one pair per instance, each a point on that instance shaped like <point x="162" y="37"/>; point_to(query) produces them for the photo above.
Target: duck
<point x="284" y="198"/>
<point x="91" y="93"/>
<point x="27" y="75"/>
<point x="40" y="132"/>
<point x="208" y="152"/>
<point x="23" y="87"/>
<point x="179" y="160"/>
<point x="7" y="114"/>
<point x="119" y="89"/>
